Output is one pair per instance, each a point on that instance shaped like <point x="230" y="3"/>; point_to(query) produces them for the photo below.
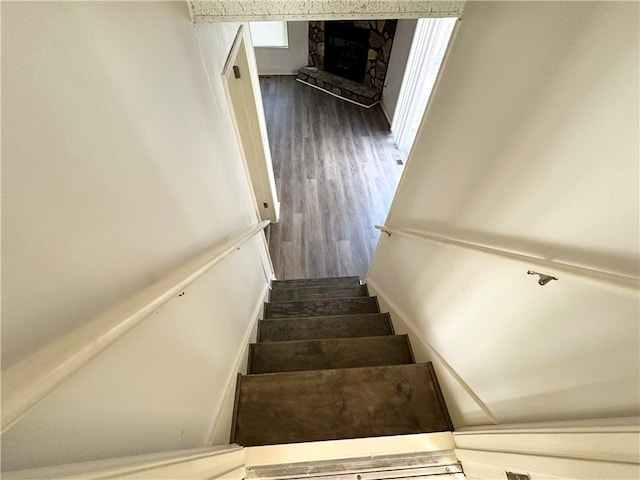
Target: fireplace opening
<point x="346" y="50"/>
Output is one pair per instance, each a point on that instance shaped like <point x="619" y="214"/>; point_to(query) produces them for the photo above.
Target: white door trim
<point x="245" y="104"/>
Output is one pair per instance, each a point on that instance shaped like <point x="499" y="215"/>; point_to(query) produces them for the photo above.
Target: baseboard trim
<point x="291" y="73"/>
<point x="492" y="464"/>
<point x="338" y="96"/>
<point x="590" y="425"/>
<point x="237" y="364"/>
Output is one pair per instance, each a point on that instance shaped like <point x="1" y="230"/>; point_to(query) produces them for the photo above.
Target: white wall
<point x="159" y="388"/>
<point x="120" y="162"/>
<point x="530" y="144"/>
<point x="463" y="406"/>
<point x="223" y="462"/>
<point x="286" y="61"/>
<point x="397" y="64"/>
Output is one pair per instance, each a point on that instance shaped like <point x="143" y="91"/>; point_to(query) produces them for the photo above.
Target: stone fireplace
<point x="346" y="50"/>
<point x="349" y="58"/>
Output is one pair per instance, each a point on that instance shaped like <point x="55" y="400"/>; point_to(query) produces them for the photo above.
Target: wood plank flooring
<point x="335" y="175"/>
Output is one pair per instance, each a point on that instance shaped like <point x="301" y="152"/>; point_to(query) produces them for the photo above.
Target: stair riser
<point x="313" y="308"/>
<point x="311" y="293"/>
<point x="329" y="353"/>
<point x="311" y="328"/>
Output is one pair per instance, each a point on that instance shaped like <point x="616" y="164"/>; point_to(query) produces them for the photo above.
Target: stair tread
<point x="291" y="407"/>
<point x="317" y="327"/>
<point x="329" y="353"/>
<point x="310" y="293"/>
<point x="315" y="282"/>
<point x="320" y="307"/>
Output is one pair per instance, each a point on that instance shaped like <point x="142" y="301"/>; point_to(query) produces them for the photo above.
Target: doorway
<point x="430" y="41"/>
<point x="336" y="164"/>
<point x="246" y="111"/>
<point x="336" y="175"/>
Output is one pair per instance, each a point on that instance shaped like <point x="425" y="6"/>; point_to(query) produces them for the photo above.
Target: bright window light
<point x="269" y="34"/>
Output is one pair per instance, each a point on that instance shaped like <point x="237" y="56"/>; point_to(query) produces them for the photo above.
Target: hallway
<point x="335" y="174"/>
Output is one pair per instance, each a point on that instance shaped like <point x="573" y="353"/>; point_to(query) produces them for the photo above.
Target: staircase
<point x="328" y="366"/>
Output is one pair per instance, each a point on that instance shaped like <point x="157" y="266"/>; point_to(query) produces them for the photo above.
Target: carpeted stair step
<point x="337" y="326"/>
<point x="329" y="353"/>
<point x="291" y="407"/>
<point x="320" y="307"/>
<point x="310" y="293"/>
<point x="316" y="282"/>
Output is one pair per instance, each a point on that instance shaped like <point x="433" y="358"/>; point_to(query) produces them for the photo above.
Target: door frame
<point x="412" y="104"/>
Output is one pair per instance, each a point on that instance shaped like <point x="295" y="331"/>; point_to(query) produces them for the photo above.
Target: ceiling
<point x="233" y="10"/>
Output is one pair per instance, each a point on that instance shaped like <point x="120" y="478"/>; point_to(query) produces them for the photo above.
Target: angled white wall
<point x="530" y="144"/>
<point x="119" y="163"/>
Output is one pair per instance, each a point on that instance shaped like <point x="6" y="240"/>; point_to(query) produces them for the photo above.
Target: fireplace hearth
<point x="349" y="58"/>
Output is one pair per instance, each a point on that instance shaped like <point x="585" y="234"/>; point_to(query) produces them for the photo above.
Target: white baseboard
<point x="337" y="96"/>
<point x="221" y="428"/>
<point x="489" y="465"/>
<point x="286" y="73"/>
<point x="547" y="447"/>
<point x="590" y="425"/>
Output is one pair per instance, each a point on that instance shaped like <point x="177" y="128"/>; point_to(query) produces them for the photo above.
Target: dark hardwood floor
<point x="335" y="174"/>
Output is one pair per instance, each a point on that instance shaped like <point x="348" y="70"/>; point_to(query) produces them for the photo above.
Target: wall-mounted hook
<point x="544" y="278"/>
<point x="383" y="229"/>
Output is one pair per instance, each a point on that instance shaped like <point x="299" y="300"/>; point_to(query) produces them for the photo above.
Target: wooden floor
<point x="335" y="175"/>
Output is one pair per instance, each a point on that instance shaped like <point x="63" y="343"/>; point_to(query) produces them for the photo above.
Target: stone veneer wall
<point x="381" y="33"/>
